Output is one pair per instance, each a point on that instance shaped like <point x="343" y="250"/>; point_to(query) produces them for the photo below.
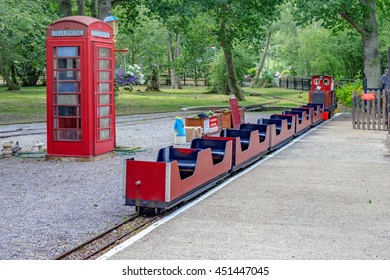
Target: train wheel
<point x="140" y="210"/>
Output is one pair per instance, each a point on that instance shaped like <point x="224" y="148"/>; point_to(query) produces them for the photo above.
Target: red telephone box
<point x="80" y="88"/>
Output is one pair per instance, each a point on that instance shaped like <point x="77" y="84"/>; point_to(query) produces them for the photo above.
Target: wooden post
<point x="353" y="111"/>
<point x="359" y="111"/>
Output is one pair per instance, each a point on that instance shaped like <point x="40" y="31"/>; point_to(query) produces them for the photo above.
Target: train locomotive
<point x="179" y="174"/>
<point x="322" y="92"/>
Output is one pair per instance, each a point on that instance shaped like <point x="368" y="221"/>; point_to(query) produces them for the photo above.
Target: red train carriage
<point x="180" y="173"/>
<point x="322" y="92"/>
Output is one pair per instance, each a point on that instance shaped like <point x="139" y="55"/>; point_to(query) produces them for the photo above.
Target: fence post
<point x="353" y="111"/>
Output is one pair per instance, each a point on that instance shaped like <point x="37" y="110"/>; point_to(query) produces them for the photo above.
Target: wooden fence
<point x="371" y="110"/>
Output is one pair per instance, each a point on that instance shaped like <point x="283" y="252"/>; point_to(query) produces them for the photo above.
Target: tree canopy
<point x="226" y="38"/>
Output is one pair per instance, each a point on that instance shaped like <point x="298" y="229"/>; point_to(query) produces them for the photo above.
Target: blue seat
<point x="261" y="128"/>
<point x="243" y="134"/>
<point x="217" y="147"/>
<point x="279" y="117"/>
<point x="186" y="159"/>
<point x="298" y="113"/>
<point x="277" y="123"/>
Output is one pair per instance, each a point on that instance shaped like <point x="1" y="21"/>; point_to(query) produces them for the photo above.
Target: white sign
<point x="206" y="126"/>
<point x="63" y="33"/>
<point x="98" y="33"/>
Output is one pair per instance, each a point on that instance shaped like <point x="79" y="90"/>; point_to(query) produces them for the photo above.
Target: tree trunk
<point x="372" y="67"/>
<point x="262" y="60"/>
<point x="176" y="82"/>
<point x="65" y="7"/>
<point x="81" y="7"/>
<point x="94" y="8"/>
<point x="104" y="7"/>
<point x="234" y="87"/>
<point x="172" y="55"/>
<point x="154" y="84"/>
<point x="11" y="85"/>
<point x="369" y="32"/>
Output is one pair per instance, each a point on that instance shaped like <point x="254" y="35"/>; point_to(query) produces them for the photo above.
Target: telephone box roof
<point x="80" y="19"/>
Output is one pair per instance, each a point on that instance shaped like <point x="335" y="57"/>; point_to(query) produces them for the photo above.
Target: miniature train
<point x="179" y="174"/>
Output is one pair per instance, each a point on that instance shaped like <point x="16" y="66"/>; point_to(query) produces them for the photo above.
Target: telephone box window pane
<point x="54" y="64"/>
<point x="67" y="87"/>
<point x="104" y="64"/>
<point x="104" y="111"/>
<point x="68" y="134"/>
<point x="104" y="87"/>
<point x="104" y="99"/>
<point x="104" y="76"/>
<point x="67" y="111"/>
<point x="67" y="51"/>
<point x="103" y="123"/>
<point x="67" y="99"/>
<point x="67" y="75"/>
<point x="67" y="63"/>
<point x="104" y="134"/>
<point x="104" y="52"/>
<point x="67" y="123"/>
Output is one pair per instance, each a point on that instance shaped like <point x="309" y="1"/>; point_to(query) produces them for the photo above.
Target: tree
<point x="361" y="15"/>
<point x="22" y="40"/>
<point x="233" y="19"/>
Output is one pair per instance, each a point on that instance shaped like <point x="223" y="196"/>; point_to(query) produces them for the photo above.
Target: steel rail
<point x="99" y="236"/>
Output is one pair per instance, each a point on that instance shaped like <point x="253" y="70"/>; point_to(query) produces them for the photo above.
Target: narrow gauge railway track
<point x="97" y="245"/>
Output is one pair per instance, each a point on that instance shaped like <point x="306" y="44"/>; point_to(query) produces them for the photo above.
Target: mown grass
<point x="29" y="103"/>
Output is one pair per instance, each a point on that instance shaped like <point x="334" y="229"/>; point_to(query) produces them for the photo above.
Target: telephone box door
<point x="104" y="97"/>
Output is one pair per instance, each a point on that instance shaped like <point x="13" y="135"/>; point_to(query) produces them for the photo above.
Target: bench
<point x="282" y="117"/>
<point x="298" y="113"/>
<point x="217" y="147"/>
<point x="315" y="107"/>
<point x="186" y="159"/>
<point x="243" y="134"/>
<point x="277" y="123"/>
<point x="261" y="128"/>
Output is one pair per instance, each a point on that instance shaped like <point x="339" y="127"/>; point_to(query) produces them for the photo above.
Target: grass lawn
<point x="29" y="103"/>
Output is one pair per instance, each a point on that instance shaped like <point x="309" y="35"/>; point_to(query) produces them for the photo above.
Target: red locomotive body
<point x="322" y="92"/>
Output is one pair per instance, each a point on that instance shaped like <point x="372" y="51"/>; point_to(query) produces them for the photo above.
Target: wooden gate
<point x="371" y="110"/>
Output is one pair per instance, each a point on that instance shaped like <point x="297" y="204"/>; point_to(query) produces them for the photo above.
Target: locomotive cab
<point x="322" y="93"/>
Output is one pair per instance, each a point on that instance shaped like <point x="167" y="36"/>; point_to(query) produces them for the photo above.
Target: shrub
<point x="344" y="93"/>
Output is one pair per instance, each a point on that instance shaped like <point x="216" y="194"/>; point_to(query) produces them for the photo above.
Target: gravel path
<point x="49" y="207"/>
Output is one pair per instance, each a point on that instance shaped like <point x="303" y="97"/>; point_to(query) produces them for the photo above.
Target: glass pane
<point x="104" y="134"/>
<point x="104" y="123"/>
<point x="104" y="64"/>
<point x="104" y="52"/>
<point x="104" y="76"/>
<point x="67" y="122"/>
<point x="104" y="111"/>
<point x="55" y="63"/>
<point x="67" y="63"/>
<point x="67" y="111"/>
<point x="69" y="135"/>
<point x="67" y="99"/>
<point x="67" y="75"/>
<point x="67" y="51"/>
<point x="104" y="87"/>
<point x="104" y="99"/>
<point x="67" y="87"/>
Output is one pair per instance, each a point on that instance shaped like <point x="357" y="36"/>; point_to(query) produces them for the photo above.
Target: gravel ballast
<point x="48" y="207"/>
